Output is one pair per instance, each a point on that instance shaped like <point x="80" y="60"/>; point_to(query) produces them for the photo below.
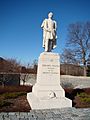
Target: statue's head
<point x="50" y="15"/>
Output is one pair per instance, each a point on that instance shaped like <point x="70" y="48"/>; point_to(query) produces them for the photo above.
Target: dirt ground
<point x="19" y="104"/>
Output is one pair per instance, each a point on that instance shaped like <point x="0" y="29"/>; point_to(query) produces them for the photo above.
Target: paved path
<point x="52" y="114"/>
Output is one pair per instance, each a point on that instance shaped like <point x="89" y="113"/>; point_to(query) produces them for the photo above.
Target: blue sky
<point x="20" y="21"/>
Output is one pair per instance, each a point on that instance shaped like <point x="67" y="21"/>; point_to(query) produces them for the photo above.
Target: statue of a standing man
<point x="49" y="33"/>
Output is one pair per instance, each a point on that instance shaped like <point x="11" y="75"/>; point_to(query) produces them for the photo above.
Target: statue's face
<point x="50" y="15"/>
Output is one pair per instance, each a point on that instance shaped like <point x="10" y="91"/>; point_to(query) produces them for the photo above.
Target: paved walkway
<point x="52" y="114"/>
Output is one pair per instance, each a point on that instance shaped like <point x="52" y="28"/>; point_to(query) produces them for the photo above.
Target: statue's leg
<point x="50" y="45"/>
<point x="47" y="45"/>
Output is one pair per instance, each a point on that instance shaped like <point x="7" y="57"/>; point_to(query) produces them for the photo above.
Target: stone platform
<point x="48" y="114"/>
<point x="45" y="102"/>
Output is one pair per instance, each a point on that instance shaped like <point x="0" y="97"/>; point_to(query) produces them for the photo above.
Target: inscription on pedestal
<point x="50" y="69"/>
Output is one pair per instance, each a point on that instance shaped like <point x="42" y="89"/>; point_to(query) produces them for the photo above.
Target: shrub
<point x="80" y="94"/>
<point x="87" y="100"/>
<point x="84" y="97"/>
<point x="67" y="85"/>
<point x="15" y="89"/>
<point x="13" y="95"/>
<point x="4" y="103"/>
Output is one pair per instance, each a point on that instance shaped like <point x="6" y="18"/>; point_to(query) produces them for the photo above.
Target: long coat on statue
<point x="49" y="31"/>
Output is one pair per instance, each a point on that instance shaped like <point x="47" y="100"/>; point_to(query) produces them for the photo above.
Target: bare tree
<point x="24" y="78"/>
<point x="3" y="79"/>
<point x="78" y="42"/>
<point x="35" y="64"/>
<point x="9" y="65"/>
<point x="68" y="57"/>
<point x="13" y="65"/>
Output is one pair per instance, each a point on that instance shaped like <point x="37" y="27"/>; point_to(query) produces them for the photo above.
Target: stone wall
<point x="10" y="78"/>
<point x="66" y="80"/>
<point x="75" y="81"/>
<point x="30" y="79"/>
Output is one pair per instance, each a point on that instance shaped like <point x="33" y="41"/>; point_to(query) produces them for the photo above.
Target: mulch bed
<point x="80" y="104"/>
<point x="20" y="104"/>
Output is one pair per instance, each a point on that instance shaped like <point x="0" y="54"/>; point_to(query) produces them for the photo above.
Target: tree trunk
<point x="85" y="73"/>
<point x="3" y="85"/>
<point x="84" y="64"/>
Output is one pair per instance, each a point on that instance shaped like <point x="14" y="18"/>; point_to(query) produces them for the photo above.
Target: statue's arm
<point x="55" y="25"/>
<point x="43" y="24"/>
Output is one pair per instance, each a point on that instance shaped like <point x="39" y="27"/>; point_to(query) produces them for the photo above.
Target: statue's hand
<point x="47" y="29"/>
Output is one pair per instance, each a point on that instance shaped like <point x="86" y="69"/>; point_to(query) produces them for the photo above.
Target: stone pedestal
<point x="47" y="92"/>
